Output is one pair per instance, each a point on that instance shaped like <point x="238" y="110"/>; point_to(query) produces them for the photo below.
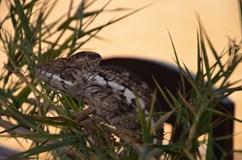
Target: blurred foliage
<point x="44" y="117"/>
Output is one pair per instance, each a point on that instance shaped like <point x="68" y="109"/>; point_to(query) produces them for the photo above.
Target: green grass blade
<point x="24" y="20"/>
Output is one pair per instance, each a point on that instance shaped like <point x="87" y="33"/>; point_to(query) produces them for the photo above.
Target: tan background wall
<point x="144" y="34"/>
